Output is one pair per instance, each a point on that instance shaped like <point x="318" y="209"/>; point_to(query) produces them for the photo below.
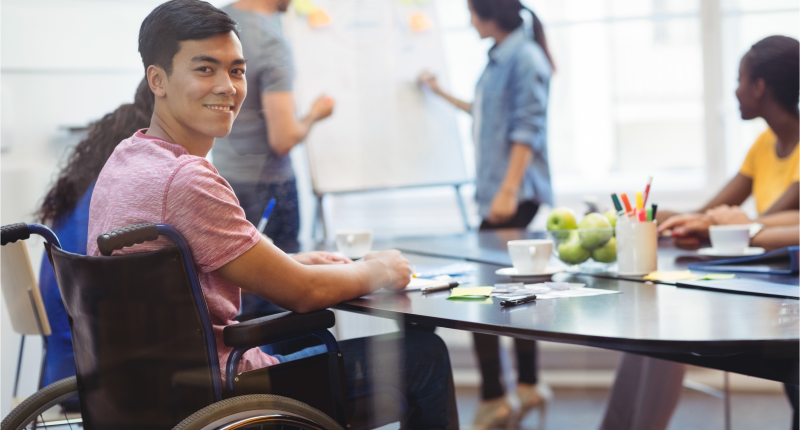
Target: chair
<point x="145" y="351"/>
<point x="23" y="302"/>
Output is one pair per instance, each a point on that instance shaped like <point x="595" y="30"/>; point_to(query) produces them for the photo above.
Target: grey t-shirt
<point x="245" y="156"/>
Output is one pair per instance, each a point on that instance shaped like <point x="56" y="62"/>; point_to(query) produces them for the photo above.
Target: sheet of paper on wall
<point x="419" y="22"/>
<point x="303" y="7"/>
<point x="319" y="18"/>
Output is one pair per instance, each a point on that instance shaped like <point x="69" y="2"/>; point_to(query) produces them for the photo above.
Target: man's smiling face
<point x="206" y="88"/>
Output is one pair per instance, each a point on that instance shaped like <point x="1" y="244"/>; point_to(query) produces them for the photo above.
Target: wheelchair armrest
<point x="264" y="330"/>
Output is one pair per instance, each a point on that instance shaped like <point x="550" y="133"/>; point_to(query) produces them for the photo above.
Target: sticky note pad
<point x="670" y="276"/>
<point x="419" y="22"/>
<point x="716" y="277"/>
<point x="303" y="7"/>
<point x="470" y="293"/>
<point x="319" y="18"/>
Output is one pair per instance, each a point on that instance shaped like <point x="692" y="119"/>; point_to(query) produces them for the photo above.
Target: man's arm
<point x="283" y="130"/>
<point x="266" y="271"/>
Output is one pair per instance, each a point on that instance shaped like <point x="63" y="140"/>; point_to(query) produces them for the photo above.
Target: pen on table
<point x="519" y="301"/>
<point x="265" y="218"/>
<point x="627" y="203"/>
<point x="437" y="287"/>
<point x="647" y="190"/>
<point x="617" y="205"/>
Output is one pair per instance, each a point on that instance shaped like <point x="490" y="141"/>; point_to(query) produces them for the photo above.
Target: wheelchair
<point x="146" y="356"/>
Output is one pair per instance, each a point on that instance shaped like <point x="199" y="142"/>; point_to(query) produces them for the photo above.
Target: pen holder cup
<point x="637" y="247"/>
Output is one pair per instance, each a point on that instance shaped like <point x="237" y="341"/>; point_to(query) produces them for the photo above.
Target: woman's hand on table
<point x="504" y="206"/>
<point x="320" y="257"/>
<point x="687" y="229"/>
<point x="728" y="215"/>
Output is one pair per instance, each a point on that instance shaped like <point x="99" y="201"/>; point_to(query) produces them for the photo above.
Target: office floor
<point x="583" y="409"/>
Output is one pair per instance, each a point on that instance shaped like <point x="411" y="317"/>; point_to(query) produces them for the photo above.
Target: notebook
<point x="746" y="286"/>
<point x="782" y="261"/>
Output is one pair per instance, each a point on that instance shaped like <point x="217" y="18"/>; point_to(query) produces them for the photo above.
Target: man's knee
<point x="428" y="346"/>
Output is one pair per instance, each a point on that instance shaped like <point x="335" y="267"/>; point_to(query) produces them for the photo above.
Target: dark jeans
<point x="487" y="347"/>
<point x="415" y="363"/>
<point x="793" y="393"/>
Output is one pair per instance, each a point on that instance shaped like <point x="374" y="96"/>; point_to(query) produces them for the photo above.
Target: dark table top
<point x="644" y="317"/>
<point x="490" y="247"/>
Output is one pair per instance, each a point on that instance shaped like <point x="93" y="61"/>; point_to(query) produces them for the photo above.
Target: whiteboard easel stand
<point x="319" y="216"/>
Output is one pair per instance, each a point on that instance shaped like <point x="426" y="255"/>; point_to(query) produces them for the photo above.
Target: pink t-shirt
<point x="149" y="180"/>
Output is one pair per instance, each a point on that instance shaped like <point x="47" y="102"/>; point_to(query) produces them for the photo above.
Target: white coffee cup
<point x="354" y="243"/>
<point x="733" y="239"/>
<point x="530" y="256"/>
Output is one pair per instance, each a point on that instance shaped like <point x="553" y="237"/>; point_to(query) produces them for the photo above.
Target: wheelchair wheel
<point x="258" y="411"/>
<point x="42" y="400"/>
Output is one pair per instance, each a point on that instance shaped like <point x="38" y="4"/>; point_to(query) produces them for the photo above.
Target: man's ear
<point x="156" y="78"/>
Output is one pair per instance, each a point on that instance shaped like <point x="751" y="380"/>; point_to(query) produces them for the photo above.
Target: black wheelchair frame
<point x="276" y="395"/>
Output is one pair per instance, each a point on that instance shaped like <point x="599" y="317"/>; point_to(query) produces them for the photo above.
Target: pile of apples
<point x="592" y="238"/>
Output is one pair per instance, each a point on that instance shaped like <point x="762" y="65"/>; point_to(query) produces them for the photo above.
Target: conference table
<point x="746" y="334"/>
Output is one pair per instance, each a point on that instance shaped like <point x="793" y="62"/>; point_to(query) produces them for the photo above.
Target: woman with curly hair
<point x="65" y="208"/>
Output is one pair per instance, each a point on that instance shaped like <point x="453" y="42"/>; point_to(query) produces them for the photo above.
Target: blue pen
<point x="264" y="218"/>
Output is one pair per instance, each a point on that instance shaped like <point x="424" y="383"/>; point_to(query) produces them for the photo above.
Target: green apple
<point x="570" y="251"/>
<point x="606" y="253"/>
<point x="594" y="239"/>
<point x="612" y="217"/>
<point x="561" y="219"/>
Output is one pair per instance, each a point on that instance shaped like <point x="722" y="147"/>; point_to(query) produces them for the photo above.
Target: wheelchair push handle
<point x="126" y="236"/>
<point x="14" y="232"/>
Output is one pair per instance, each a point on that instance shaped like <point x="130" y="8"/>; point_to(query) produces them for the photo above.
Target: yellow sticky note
<point x="716" y="276"/>
<point x="419" y="22"/>
<point x="470" y="292"/>
<point x="319" y="18"/>
<point x="670" y="276"/>
<point x="304" y="7"/>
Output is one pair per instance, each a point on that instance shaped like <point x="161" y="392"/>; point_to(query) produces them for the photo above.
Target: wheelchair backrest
<point x="142" y="350"/>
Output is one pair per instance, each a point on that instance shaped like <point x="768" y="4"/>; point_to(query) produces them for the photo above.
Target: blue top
<point x="511" y="106"/>
<point x="72" y="231"/>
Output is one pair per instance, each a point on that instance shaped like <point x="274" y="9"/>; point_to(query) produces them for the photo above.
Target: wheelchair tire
<point x="40" y="401"/>
<point x="256" y="410"/>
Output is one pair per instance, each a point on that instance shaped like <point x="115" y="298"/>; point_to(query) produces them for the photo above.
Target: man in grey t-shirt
<point x="254" y="158"/>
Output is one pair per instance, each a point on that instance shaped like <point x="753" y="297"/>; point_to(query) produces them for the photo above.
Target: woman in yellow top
<point x="768" y="88"/>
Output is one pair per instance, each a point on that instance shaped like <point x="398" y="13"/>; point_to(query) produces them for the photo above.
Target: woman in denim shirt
<point x="513" y="176"/>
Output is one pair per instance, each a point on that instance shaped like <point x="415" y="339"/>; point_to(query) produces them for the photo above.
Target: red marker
<point x="647" y="191"/>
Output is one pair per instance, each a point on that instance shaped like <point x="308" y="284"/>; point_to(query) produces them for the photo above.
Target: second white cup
<point x="732" y="239"/>
<point x="530" y="256"/>
<point x="354" y="243"/>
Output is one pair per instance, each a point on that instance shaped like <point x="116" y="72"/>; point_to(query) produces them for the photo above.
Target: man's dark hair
<point x="173" y="22"/>
<point x="776" y="60"/>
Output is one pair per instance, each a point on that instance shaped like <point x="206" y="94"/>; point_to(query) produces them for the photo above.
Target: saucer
<point x="512" y="272"/>
<point x="711" y="252"/>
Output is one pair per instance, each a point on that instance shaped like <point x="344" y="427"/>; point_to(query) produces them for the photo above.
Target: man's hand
<point x="320" y="257"/>
<point x="728" y="215"/>
<point x="321" y="108"/>
<point x="504" y="206"/>
<point x="398" y="271"/>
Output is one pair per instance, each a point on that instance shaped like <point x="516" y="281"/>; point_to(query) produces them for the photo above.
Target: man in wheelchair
<point x="194" y="65"/>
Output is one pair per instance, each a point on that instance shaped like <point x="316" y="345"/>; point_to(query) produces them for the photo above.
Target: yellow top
<point x="771" y="175"/>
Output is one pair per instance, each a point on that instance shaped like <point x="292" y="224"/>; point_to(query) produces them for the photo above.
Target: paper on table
<point x="418" y="284"/>
<point x="470" y="293"/>
<point x="451" y="269"/>
<point x="686" y="275"/>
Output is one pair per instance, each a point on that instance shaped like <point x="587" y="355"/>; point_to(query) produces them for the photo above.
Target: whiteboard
<point x="386" y="131"/>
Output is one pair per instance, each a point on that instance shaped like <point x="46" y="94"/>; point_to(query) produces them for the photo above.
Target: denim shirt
<point x="511" y="106"/>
